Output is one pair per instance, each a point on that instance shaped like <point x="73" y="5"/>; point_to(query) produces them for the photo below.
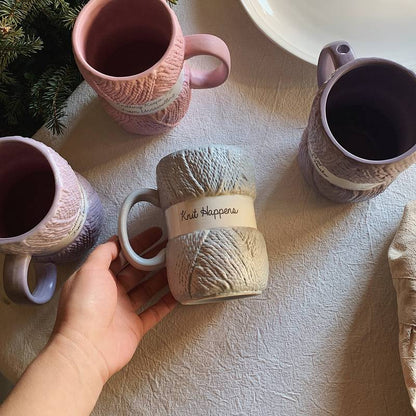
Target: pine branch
<point x="50" y="94"/>
<point x="15" y="106"/>
<point x="6" y="78"/>
<point x="4" y="97"/>
<point x="16" y="11"/>
<point x="37" y="68"/>
<point x="14" y="43"/>
<point x="69" y="18"/>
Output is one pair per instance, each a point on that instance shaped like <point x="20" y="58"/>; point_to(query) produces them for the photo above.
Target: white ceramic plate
<point x="383" y="28"/>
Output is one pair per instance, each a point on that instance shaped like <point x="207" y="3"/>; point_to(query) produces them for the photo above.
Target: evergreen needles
<point x="37" y="68"/>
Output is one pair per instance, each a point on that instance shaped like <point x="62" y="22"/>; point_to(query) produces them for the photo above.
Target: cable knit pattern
<point x="89" y="233"/>
<point x="402" y="259"/>
<point x="56" y="228"/>
<point x="145" y="87"/>
<point x="219" y="263"/>
<point x="340" y="165"/>
<point x="206" y="171"/>
<point x="48" y="236"/>
<point x="159" y="122"/>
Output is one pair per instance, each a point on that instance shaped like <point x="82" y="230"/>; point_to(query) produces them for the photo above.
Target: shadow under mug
<point x="132" y="53"/>
<point x="361" y="132"/>
<point x="48" y="214"/>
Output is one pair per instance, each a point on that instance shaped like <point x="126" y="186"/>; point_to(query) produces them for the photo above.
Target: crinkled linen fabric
<point x="322" y="339"/>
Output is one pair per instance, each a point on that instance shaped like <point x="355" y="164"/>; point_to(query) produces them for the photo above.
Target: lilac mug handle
<point x="208" y="45"/>
<point x="15" y="276"/>
<point x="333" y="56"/>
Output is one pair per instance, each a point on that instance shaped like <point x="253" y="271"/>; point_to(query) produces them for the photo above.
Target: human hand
<point x="96" y="332"/>
<point x="98" y="304"/>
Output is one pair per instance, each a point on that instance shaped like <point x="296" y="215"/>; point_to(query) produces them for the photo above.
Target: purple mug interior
<point x="126" y="37"/>
<point x="370" y="110"/>
<point x="28" y="188"/>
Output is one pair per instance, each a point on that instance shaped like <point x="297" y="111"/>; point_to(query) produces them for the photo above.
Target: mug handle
<point x="333" y="56"/>
<point x="15" y="275"/>
<point x="154" y="263"/>
<point x="208" y="45"/>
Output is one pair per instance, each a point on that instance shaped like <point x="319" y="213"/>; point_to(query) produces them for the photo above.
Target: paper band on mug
<point x="223" y="211"/>
<point x="155" y="105"/>
<point x="336" y="180"/>
<point x="76" y="227"/>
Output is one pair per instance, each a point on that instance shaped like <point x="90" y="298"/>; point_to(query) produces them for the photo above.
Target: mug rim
<point x="86" y="11"/>
<point x="339" y="73"/>
<point x="201" y="148"/>
<point x="38" y="147"/>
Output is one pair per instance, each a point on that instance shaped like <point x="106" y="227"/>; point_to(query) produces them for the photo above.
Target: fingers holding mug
<point x="129" y="277"/>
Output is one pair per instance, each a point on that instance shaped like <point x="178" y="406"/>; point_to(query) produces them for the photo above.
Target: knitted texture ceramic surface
<point x="52" y="232"/>
<point x="144" y="87"/>
<point x="402" y="259"/>
<point x="219" y="263"/>
<point x="56" y="229"/>
<point x="340" y="165"/>
<point x="159" y="122"/>
<point x="90" y="231"/>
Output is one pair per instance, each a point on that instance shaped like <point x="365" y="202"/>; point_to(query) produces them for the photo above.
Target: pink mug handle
<point x="208" y="45"/>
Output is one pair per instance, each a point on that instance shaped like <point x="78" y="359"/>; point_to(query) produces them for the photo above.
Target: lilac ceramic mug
<point x="361" y="132"/>
<point x="48" y="213"/>
<point x="132" y="53"/>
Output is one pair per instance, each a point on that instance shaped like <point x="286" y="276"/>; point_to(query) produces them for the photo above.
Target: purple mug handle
<point x="15" y="275"/>
<point x="333" y="56"/>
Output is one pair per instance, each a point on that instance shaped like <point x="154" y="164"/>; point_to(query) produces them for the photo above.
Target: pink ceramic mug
<point x="132" y="53"/>
<point x="48" y="213"/>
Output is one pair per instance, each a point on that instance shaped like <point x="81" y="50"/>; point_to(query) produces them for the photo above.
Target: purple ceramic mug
<point x="361" y="132"/>
<point x="48" y="213"/>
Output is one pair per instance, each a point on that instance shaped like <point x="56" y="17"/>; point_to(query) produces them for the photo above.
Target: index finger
<point x="146" y="239"/>
<point x="103" y="255"/>
<point x="150" y="317"/>
<point x="128" y="276"/>
<point x="139" y="243"/>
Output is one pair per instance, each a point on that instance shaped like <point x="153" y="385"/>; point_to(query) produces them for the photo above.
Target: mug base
<point x="220" y="298"/>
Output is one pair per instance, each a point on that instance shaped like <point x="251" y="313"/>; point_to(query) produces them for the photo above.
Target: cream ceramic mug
<point x="215" y="251"/>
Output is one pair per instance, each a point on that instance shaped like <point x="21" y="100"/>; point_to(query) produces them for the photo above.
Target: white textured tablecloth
<point x="322" y="340"/>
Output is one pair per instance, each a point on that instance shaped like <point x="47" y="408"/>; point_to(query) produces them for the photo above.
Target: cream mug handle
<point x="139" y="262"/>
<point x="15" y="274"/>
